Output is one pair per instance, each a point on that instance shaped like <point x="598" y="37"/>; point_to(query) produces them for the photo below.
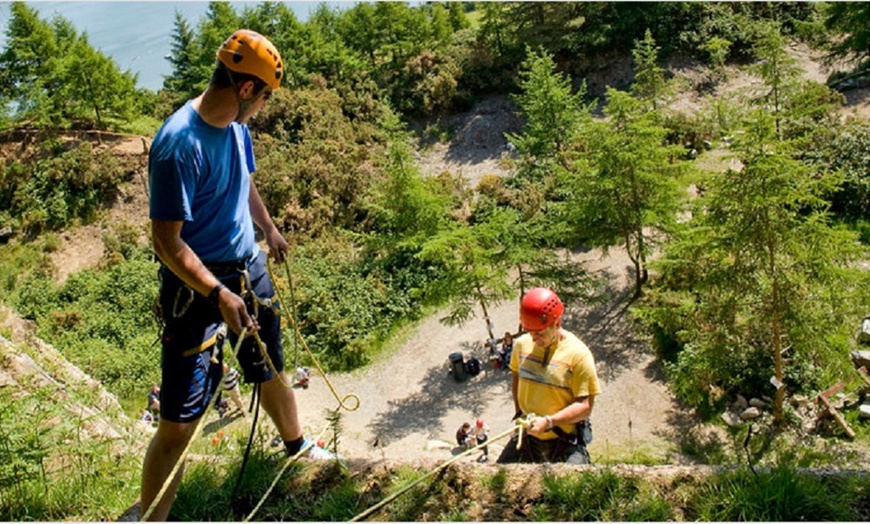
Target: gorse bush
<point x="101" y="321"/>
<point x="65" y="185"/>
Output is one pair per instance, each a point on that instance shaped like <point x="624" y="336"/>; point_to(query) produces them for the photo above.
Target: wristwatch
<point x="214" y="295"/>
<point x="549" y="422"/>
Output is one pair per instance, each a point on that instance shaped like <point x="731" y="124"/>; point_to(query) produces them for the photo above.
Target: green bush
<point x="101" y="321"/>
<point x="781" y="494"/>
<point x="600" y="496"/>
<point x="50" y="472"/>
<point x="66" y="185"/>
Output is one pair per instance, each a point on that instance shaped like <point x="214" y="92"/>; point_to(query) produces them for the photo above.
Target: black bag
<point x="472" y="367"/>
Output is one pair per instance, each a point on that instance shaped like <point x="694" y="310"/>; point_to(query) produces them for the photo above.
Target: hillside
<point x="410" y="407"/>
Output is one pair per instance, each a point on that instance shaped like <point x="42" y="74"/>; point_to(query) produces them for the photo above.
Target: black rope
<point x="256" y="409"/>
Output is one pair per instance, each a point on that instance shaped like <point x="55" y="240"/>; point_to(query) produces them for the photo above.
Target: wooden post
<point x="824" y="396"/>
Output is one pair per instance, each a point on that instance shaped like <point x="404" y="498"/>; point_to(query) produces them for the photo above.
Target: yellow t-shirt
<point x="545" y="389"/>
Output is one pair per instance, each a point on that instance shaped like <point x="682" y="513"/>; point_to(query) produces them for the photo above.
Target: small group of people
<point x="480" y="434"/>
<point x="204" y="206"/>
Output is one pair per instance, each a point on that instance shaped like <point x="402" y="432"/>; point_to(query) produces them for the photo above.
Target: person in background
<point x="554" y="379"/>
<point x="463" y="435"/>
<point x="481" y="432"/>
<point x="154" y="402"/>
<point x="231" y="387"/>
<point x="204" y="205"/>
<point x="507" y="347"/>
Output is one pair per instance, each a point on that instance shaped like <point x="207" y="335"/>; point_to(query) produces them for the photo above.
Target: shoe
<point x="317" y="453"/>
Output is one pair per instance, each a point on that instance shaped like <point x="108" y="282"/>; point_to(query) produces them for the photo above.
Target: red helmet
<point x="480" y="423"/>
<point x="540" y="309"/>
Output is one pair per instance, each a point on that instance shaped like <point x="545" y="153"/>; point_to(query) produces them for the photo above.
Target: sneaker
<point x="317" y="453"/>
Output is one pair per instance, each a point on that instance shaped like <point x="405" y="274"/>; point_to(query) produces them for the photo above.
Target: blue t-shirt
<point x="200" y="174"/>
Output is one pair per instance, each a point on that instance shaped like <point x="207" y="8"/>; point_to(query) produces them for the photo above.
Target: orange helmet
<point x="251" y="53"/>
<point x="540" y="309"/>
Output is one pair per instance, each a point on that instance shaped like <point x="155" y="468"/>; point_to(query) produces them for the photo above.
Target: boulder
<point x="750" y="413"/>
<point x="757" y="403"/>
<point x="861" y="358"/>
<point x="731" y="418"/>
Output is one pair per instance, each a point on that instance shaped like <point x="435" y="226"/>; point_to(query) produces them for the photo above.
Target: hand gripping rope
<point x="520" y="425"/>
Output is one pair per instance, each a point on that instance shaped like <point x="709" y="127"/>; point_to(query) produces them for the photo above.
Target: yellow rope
<point x="290" y="460"/>
<point x="196" y="430"/>
<point x="518" y="426"/>
<point x="292" y="322"/>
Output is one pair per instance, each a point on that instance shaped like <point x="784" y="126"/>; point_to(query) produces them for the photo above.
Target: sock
<point x="293" y="446"/>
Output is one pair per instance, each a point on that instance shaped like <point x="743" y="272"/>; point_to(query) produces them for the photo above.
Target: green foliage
<point x="629" y="184"/>
<point x="847" y="151"/>
<point x="102" y="322"/>
<point x="600" y="496"/>
<point x="848" y="29"/>
<point x="649" y="77"/>
<point x="68" y="184"/>
<point x="759" y="268"/>
<point x="56" y="79"/>
<point x="780" y="494"/>
<point x="552" y="113"/>
<point x="50" y="472"/>
<point x="343" y="310"/>
<point x="317" y="166"/>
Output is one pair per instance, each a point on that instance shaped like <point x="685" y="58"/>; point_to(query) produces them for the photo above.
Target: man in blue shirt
<point x="203" y="208"/>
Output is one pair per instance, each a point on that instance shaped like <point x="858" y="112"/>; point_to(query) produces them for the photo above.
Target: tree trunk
<point x="776" y="329"/>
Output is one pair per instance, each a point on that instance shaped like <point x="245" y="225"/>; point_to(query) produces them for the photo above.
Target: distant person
<point x="204" y="205"/>
<point x="554" y="377"/>
<point x="507" y="348"/>
<point x="302" y="376"/>
<point x="481" y="432"/>
<point x="463" y="435"/>
<point x="153" y="402"/>
<point x="231" y="387"/>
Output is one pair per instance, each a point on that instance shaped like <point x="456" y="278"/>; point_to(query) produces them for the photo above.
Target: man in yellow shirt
<point x="554" y="378"/>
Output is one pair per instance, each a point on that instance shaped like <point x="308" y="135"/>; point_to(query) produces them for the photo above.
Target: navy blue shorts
<point x="194" y="341"/>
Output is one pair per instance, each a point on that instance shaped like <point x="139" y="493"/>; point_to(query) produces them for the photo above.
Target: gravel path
<point x="411" y="407"/>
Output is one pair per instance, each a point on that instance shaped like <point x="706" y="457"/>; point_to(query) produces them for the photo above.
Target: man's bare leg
<point x="163" y="452"/>
<point x="279" y="402"/>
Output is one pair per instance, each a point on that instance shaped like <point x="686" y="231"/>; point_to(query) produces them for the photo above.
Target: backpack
<point x="472" y="367"/>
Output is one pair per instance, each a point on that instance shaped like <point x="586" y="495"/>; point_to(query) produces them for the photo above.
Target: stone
<point x="708" y="145"/>
<point x="800" y="400"/>
<point x="740" y="404"/>
<point x="864" y="411"/>
<point x="750" y="413"/>
<point x="731" y="418"/>
<point x="757" y="403"/>
<point x="861" y="358"/>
